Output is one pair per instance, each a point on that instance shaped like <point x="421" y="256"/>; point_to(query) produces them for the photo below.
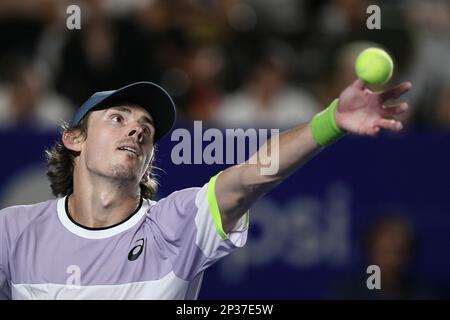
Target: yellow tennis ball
<point x="374" y="66"/>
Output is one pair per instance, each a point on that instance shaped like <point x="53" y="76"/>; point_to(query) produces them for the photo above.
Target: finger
<point x="395" y="92"/>
<point x="394" y="110"/>
<point x="359" y="84"/>
<point x="373" y="131"/>
<point x="389" y="124"/>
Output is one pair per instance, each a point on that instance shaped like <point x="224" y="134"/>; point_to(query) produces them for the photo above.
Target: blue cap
<point x="148" y="95"/>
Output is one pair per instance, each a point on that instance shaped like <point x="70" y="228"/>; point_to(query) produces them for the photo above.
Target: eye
<point x="148" y="131"/>
<point x="116" y="118"/>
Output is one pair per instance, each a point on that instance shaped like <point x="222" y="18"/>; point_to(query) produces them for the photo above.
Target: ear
<point x="72" y="140"/>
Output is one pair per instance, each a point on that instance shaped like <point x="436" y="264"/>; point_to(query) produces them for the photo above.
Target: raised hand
<point x="363" y="112"/>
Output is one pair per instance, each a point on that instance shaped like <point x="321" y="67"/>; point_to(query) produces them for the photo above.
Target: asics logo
<point x="136" y="250"/>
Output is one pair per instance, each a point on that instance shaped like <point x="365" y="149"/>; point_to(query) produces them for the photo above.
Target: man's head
<point x="113" y="139"/>
<point x="390" y="244"/>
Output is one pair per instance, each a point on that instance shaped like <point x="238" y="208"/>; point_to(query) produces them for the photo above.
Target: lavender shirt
<point x="159" y="252"/>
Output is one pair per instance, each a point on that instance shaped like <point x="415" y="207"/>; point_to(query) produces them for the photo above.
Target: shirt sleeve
<point x="5" y="292"/>
<point x="189" y="228"/>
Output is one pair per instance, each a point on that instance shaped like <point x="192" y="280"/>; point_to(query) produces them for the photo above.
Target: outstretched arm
<point x="359" y="111"/>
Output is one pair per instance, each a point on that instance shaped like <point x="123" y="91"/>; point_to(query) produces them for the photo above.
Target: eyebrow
<point x="128" y="110"/>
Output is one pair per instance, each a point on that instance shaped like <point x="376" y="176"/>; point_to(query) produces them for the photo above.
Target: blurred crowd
<point x="237" y="63"/>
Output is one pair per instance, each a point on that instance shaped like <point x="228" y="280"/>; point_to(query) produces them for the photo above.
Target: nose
<point x="137" y="132"/>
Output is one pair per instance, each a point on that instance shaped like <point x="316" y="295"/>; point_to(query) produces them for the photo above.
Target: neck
<point x="99" y="203"/>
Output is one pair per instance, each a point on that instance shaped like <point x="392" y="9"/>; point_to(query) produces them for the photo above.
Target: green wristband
<point x="324" y="128"/>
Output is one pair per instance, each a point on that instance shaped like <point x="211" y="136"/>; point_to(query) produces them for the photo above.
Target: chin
<point x="124" y="172"/>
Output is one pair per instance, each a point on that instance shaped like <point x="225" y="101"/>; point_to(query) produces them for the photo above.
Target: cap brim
<point x="149" y="96"/>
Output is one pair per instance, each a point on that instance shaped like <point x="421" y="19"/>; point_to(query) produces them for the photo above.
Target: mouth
<point x="130" y="149"/>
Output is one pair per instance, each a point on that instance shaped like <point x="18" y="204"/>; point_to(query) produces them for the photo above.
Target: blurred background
<point x="259" y="64"/>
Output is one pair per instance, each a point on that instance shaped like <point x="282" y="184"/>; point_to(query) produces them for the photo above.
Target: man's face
<point x="119" y="142"/>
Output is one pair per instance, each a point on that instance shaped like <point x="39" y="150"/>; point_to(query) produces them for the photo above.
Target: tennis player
<point x="105" y="238"/>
